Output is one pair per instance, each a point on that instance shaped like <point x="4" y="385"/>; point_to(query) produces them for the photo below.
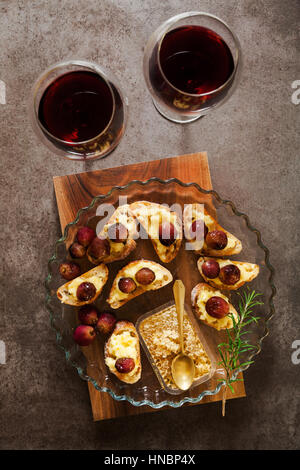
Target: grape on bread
<point x="225" y="273"/>
<point x="84" y="289"/>
<point x="212" y="307"/>
<point x="136" y="278"/>
<point x="117" y="238"/>
<point x="205" y="235"/>
<point x="122" y="353"/>
<point x="163" y="227"/>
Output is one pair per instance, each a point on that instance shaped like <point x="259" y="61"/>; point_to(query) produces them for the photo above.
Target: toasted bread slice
<point x="200" y="295"/>
<point x="97" y="276"/>
<point x="123" y="343"/>
<point x="151" y="215"/>
<point x="193" y="212"/>
<point x="248" y="271"/>
<point x="117" y="250"/>
<point x="117" y="298"/>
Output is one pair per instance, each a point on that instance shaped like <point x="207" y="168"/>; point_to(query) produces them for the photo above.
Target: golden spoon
<point x="183" y="368"/>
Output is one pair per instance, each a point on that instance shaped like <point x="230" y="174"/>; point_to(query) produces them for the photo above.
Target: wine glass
<point x="78" y="110"/>
<point x="191" y="65"/>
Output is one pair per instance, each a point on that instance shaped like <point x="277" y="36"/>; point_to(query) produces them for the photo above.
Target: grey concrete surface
<point x="253" y="148"/>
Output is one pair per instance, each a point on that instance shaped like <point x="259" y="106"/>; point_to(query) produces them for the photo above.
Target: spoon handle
<point x="179" y="293"/>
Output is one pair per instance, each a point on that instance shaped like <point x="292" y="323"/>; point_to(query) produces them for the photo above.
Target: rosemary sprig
<point x="236" y="344"/>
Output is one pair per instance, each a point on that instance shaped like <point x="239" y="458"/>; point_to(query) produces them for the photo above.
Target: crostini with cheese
<point x="205" y="235"/>
<point x="226" y="274"/>
<point x="122" y="353"/>
<point x="163" y="227"/>
<point x="212" y="307"/>
<point x="117" y="238"/>
<point x="84" y="289"/>
<point x="136" y="278"/>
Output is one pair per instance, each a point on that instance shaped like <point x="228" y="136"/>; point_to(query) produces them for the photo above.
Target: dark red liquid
<point x="76" y="107"/>
<point x="195" y="59"/>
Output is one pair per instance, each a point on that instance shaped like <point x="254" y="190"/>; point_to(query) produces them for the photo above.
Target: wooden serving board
<point x="76" y="191"/>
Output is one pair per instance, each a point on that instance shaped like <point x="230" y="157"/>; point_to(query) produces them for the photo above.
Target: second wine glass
<point x="191" y="63"/>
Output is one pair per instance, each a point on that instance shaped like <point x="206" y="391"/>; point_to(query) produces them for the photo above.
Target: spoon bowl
<point x="183" y="371"/>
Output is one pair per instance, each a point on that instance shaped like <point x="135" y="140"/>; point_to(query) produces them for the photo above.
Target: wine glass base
<point x="98" y="154"/>
<point x="175" y="117"/>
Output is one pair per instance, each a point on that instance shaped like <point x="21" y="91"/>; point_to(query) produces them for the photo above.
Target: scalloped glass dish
<point x="89" y="361"/>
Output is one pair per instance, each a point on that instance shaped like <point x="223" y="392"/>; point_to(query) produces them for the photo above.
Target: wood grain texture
<point x="76" y="191"/>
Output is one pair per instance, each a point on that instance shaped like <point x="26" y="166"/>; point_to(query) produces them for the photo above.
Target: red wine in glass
<point x="78" y="110"/>
<point x="192" y="60"/>
<point x="76" y="107"/>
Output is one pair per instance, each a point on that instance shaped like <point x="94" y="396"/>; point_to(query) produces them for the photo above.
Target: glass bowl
<point x="195" y="325"/>
<point x="89" y="361"/>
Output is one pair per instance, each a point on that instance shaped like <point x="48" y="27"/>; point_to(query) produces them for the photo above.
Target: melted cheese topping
<point x="199" y="213"/>
<point x="211" y="225"/>
<point x="218" y="323"/>
<point x="96" y="279"/>
<point x="122" y="345"/>
<point x="151" y="217"/>
<point x="123" y="216"/>
<point x="162" y="277"/>
<point x="116" y="248"/>
<point x="246" y="270"/>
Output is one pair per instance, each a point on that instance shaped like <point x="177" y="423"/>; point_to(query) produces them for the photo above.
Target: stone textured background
<point x="252" y="146"/>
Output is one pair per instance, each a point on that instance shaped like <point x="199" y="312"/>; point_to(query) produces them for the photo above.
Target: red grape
<point x="88" y="315"/>
<point x="198" y="230"/>
<point x="84" y="335"/>
<point x="211" y="268"/>
<point x="217" y="307"/>
<point x="85" y="236"/>
<point x="230" y="274"/>
<point x="145" y="276"/>
<point x="76" y="250"/>
<point x="69" y="270"/>
<point x="106" y="322"/>
<point x="99" y="248"/>
<point x="127" y="285"/>
<point x="86" y="291"/>
<point x="125" y="365"/>
<point x="216" y="239"/>
<point x="167" y="233"/>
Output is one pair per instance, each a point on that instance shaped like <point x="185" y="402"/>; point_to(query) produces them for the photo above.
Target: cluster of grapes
<point x="91" y="323"/>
